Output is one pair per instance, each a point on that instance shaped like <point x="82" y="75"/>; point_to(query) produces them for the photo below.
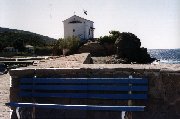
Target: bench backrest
<point x="85" y="88"/>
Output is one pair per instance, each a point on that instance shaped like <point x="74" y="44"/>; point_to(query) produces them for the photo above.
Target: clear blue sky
<point x="155" y="22"/>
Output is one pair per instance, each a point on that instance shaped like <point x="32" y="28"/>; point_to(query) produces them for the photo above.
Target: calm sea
<point x="167" y="56"/>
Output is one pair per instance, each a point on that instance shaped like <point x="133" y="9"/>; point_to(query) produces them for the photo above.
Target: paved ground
<point x="4" y="96"/>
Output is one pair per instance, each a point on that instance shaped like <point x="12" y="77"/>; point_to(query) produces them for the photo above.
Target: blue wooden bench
<point x="83" y="88"/>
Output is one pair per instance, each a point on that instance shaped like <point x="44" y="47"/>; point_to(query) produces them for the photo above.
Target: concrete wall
<point x="163" y="95"/>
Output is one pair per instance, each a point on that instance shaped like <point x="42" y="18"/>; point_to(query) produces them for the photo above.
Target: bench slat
<point x="79" y="107"/>
<point x="85" y="80"/>
<point x="85" y="87"/>
<point x="84" y="95"/>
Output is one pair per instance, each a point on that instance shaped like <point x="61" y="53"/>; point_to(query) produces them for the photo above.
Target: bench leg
<point x="123" y="115"/>
<point x="17" y="112"/>
<point x="33" y="113"/>
<point x="126" y="115"/>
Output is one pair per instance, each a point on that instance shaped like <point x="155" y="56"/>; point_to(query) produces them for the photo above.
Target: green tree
<point x="18" y="44"/>
<point x="114" y="34"/>
<point x="70" y="43"/>
<point x="56" y="47"/>
<point x="109" y="39"/>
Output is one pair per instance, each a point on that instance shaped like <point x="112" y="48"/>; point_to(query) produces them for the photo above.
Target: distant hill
<point x="17" y="38"/>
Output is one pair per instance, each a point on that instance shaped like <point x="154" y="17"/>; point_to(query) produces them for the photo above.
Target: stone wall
<point x="163" y="95"/>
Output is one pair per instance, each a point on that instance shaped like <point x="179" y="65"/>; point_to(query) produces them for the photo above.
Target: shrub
<point x="109" y="39"/>
<point x="71" y="43"/>
<point x="43" y="51"/>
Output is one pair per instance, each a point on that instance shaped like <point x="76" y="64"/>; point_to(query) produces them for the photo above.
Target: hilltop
<point x="17" y="38"/>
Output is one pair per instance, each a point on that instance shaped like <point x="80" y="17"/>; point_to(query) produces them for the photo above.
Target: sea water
<point x="166" y="56"/>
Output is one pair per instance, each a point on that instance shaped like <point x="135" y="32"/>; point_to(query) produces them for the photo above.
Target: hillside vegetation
<point x="19" y="38"/>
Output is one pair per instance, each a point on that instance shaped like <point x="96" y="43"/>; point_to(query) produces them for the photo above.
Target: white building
<point x="10" y="49"/>
<point x="80" y="27"/>
<point x="29" y="48"/>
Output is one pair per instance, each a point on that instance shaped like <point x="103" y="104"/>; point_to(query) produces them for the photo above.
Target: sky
<point x="155" y="22"/>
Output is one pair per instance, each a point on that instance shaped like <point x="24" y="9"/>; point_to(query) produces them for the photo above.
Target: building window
<point x="89" y="31"/>
<point x="73" y="30"/>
